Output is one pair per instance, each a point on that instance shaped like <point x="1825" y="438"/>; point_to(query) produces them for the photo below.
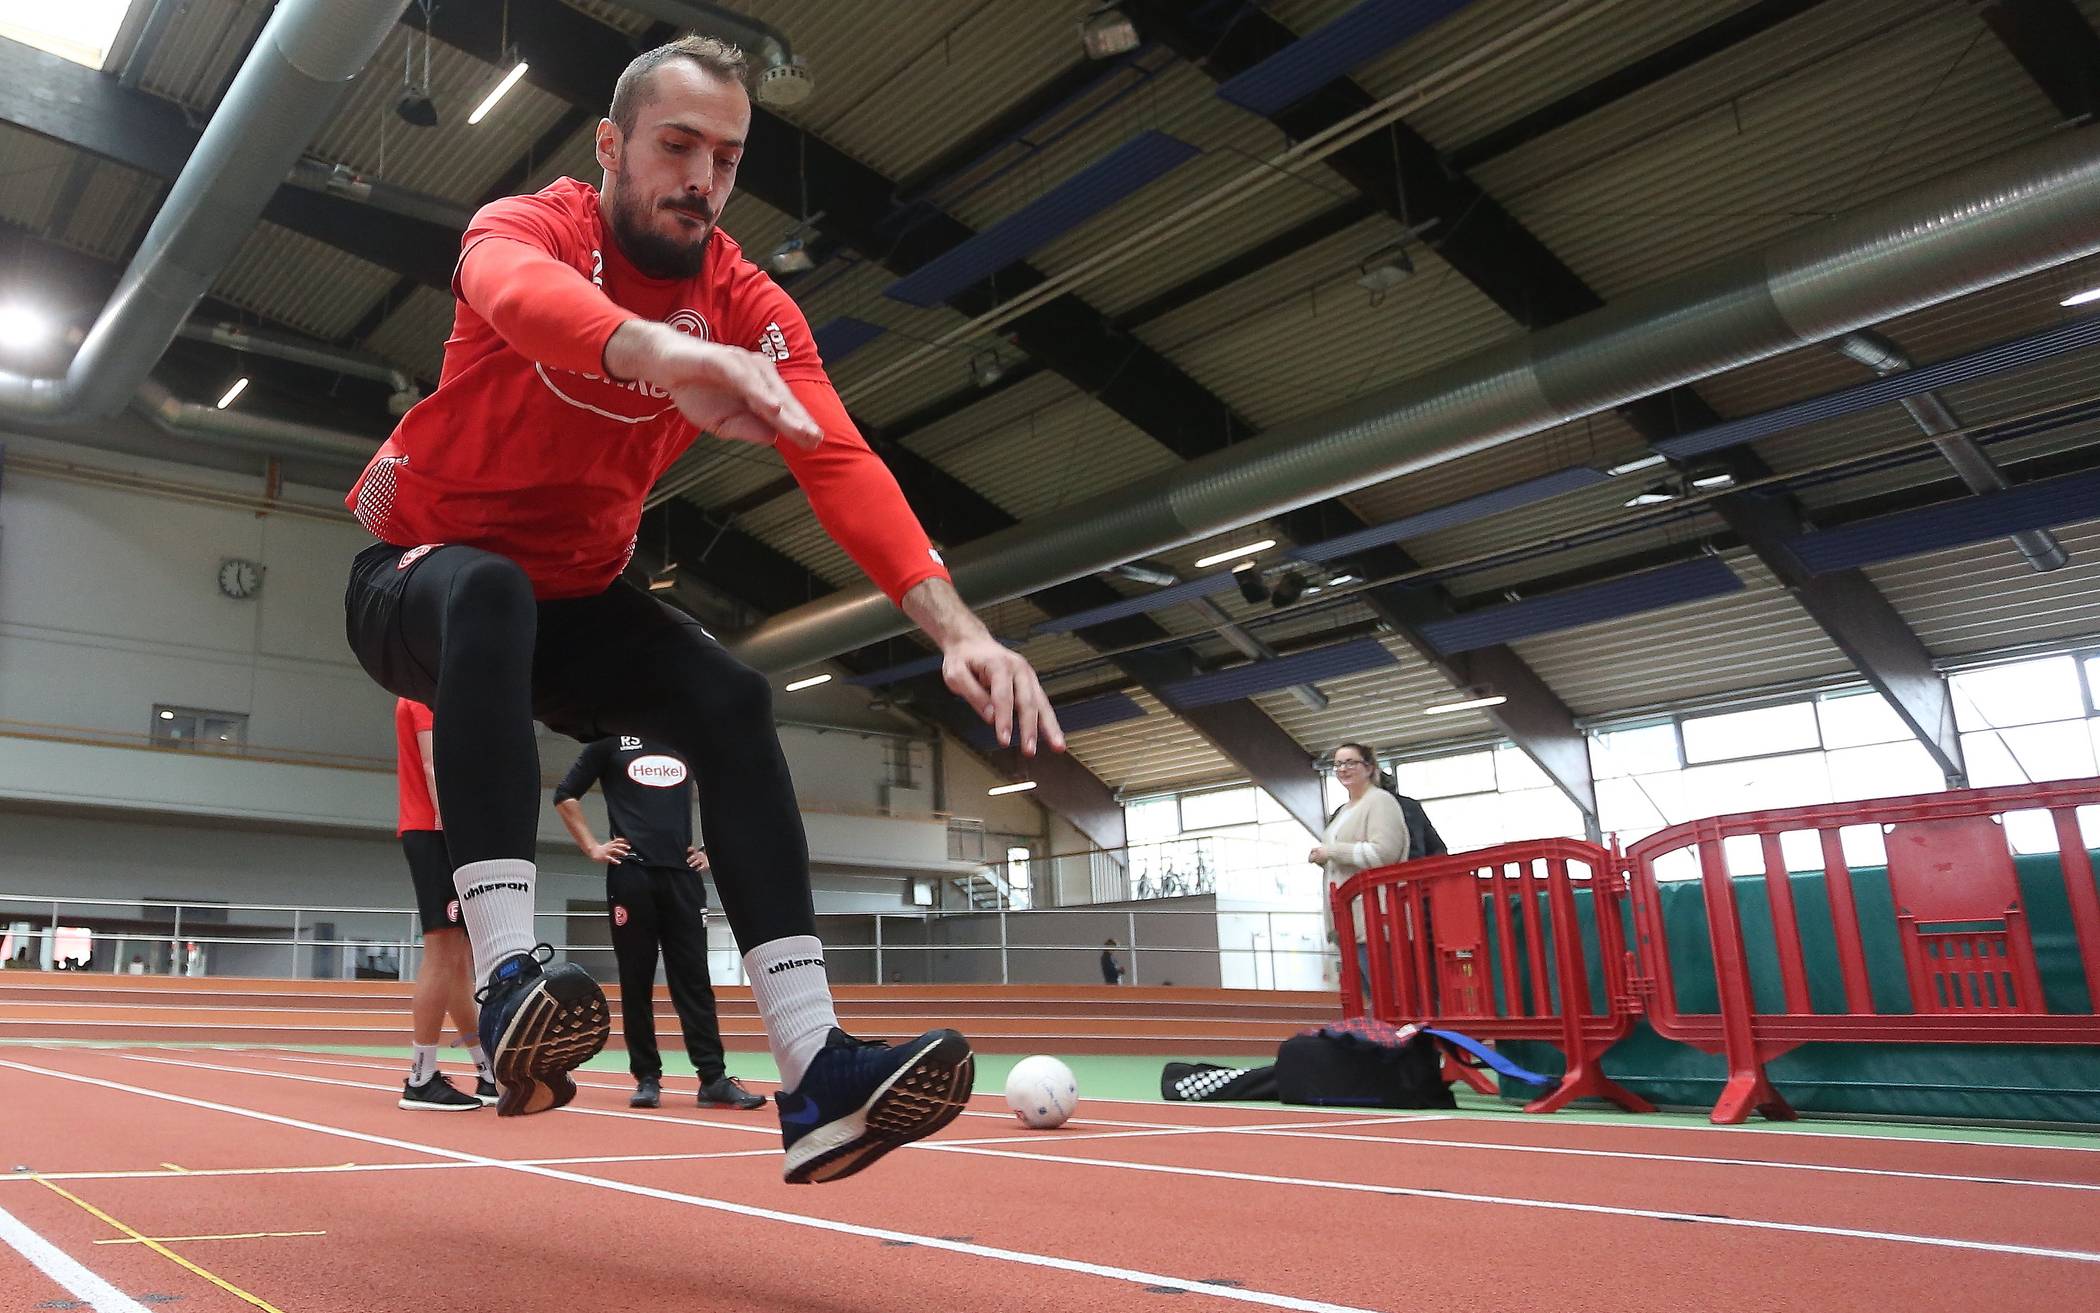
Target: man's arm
<point x="998" y="683"/>
<point x="430" y="775"/>
<point x="582" y="774"/>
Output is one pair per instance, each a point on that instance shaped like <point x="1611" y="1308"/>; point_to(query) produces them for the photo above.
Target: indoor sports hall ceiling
<point x="1038" y="276"/>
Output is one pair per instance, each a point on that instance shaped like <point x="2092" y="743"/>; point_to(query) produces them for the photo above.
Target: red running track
<point x="1203" y="1207"/>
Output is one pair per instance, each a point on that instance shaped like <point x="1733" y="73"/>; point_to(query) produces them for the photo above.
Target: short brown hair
<point x="630" y="93"/>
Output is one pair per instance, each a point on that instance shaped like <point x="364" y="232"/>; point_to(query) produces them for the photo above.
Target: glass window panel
<point x="1758" y="732"/>
<point x="1335" y="794"/>
<point x="1208" y="811"/>
<point x="1150" y="819"/>
<point x="1744" y="854"/>
<point x="2023" y="693"/>
<point x="1468" y="823"/>
<point x="2092" y="679"/>
<point x="1267" y="809"/>
<point x="1863" y="846"/>
<point x="2062" y="751"/>
<point x="1444" y="777"/>
<point x="1884" y="770"/>
<point x="1742" y="786"/>
<point x="1855" y="719"/>
<point x="1639" y="751"/>
<point x="2030" y="832"/>
<point x="1990" y="763"/>
<point x="1625" y="809"/>
<point x="1514" y="770"/>
<point x="1537" y="814"/>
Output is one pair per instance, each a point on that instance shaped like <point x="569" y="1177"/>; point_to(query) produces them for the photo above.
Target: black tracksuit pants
<point x="664" y="907"/>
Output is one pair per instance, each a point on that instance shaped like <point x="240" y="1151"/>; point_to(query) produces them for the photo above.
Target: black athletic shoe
<point x="862" y="1098"/>
<point x="486" y="1091"/>
<point x="725" y="1092"/>
<point x="436" y="1095"/>
<point x="538" y="1025"/>
<point x="648" y="1092"/>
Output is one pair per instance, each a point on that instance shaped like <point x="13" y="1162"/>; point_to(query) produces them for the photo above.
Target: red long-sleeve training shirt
<point x="527" y="449"/>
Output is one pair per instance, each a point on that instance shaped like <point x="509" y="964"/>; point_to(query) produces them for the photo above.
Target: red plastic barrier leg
<point x="1750" y="1090"/>
<point x="1479" y="1081"/>
<point x="1586" y="1080"/>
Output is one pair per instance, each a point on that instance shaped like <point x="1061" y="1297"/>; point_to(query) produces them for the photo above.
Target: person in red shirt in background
<point x="443" y="983"/>
<point x="597" y="332"/>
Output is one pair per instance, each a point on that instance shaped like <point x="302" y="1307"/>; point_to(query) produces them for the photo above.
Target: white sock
<point x="495" y="898"/>
<point x="424" y="1064"/>
<point x="481" y="1060"/>
<point x="793" y="994"/>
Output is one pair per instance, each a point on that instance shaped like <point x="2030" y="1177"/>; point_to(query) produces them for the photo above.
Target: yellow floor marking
<point x="159" y="1248"/>
<point x="183" y="1239"/>
<point x="175" y="1167"/>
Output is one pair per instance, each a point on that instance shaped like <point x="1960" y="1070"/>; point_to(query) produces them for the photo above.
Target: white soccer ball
<point x="1042" y="1092"/>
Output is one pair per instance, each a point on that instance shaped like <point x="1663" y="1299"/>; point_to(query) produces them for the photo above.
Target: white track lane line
<point x="1312" y="1131"/>
<point x="1022" y="1258"/>
<point x="1553" y="1205"/>
<point x="1356" y="1118"/>
<point x="61" y="1267"/>
<point x="707" y="1124"/>
<point x="328" y="1169"/>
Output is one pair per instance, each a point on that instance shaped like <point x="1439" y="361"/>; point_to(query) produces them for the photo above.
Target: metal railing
<point x="1255" y="949"/>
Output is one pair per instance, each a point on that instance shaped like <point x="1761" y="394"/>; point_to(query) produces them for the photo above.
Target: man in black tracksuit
<point x="654" y="895"/>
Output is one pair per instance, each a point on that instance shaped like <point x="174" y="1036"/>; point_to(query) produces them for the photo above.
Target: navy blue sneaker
<point x="862" y="1098"/>
<point x="538" y="1025"/>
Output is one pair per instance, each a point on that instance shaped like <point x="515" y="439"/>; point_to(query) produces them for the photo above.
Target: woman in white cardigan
<point x="1367" y="831"/>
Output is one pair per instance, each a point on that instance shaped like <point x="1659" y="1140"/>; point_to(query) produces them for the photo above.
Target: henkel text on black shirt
<point x="648" y="796"/>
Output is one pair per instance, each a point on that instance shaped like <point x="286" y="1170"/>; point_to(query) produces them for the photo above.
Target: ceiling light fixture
<point x="1107" y="32"/>
<point x="2080" y="298"/>
<point x="1660" y="494"/>
<point x="986" y="368"/>
<point x="790" y="257"/>
<point x="1637" y="464"/>
<point x="1446" y="708"/>
<point x="510" y="80"/>
<point x="240" y="385"/>
<point x="1021" y="786"/>
<point x="1231" y="553"/>
<point x="21" y="328"/>
<point x="798" y="685"/>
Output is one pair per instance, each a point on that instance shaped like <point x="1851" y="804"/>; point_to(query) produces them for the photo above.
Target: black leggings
<point x="457" y="628"/>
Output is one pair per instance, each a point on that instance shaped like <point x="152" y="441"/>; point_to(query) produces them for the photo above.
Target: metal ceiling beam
<point x="748" y="571"/>
<point x="1642" y="73"/>
<point x="2055" y="45"/>
<point x="92" y="112"/>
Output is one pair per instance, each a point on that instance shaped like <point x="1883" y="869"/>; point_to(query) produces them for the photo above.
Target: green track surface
<point x="1135" y="1077"/>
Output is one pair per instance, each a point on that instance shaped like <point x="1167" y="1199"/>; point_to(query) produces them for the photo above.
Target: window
<point x="1217" y="808"/>
<point x="1759" y="732"/>
<point x="190" y="727"/>
<point x="81" y="30"/>
<point x="1639" y="750"/>
<point x="1020" y="890"/>
<point x="1447" y="777"/>
<point x="2020" y="693"/>
<point x="1853" y="720"/>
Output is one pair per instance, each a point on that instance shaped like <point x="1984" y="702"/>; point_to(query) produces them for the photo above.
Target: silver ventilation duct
<point x="1930" y="412"/>
<point x="779" y="79"/>
<point x="2024" y="211"/>
<point x="320" y="355"/>
<point x="302" y="64"/>
<point x="257" y="433"/>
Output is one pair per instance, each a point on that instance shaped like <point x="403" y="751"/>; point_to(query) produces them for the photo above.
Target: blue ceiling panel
<point x="1457" y="513"/>
<point x="1245" y="681"/>
<point x="1321" y="56"/>
<point x="2038" y="505"/>
<point x="1106" y="182"/>
<point x="2002" y="357"/>
<point x="841" y="337"/>
<point x="1688" y="581"/>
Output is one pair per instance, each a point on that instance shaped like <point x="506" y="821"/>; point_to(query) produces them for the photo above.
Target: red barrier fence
<point x="1463" y="942"/>
<point x="1961" y="920"/>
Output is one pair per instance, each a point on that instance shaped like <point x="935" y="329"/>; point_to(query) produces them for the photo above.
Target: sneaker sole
<point x="418" y="1105"/>
<point x="561" y="1024"/>
<point x="918" y="1099"/>
<point x="733" y="1107"/>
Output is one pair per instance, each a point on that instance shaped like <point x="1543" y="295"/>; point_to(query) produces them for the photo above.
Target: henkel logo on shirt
<point x="658" y="772"/>
<point x="629" y="402"/>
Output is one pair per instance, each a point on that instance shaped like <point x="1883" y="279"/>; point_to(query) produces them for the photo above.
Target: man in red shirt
<point x="596" y="330"/>
<point x="443" y="982"/>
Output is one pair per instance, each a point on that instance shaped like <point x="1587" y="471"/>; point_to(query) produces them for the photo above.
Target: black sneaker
<point x="648" y="1092"/>
<point x="538" y="1025"/>
<point x="725" y="1092"/>
<point x="486" y="1091"/>
<point x="862" y="1098"/>
<point x="436" y="1095"/>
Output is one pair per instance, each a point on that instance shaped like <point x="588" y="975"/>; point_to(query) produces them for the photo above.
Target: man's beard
<point x="652" y="252"/>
